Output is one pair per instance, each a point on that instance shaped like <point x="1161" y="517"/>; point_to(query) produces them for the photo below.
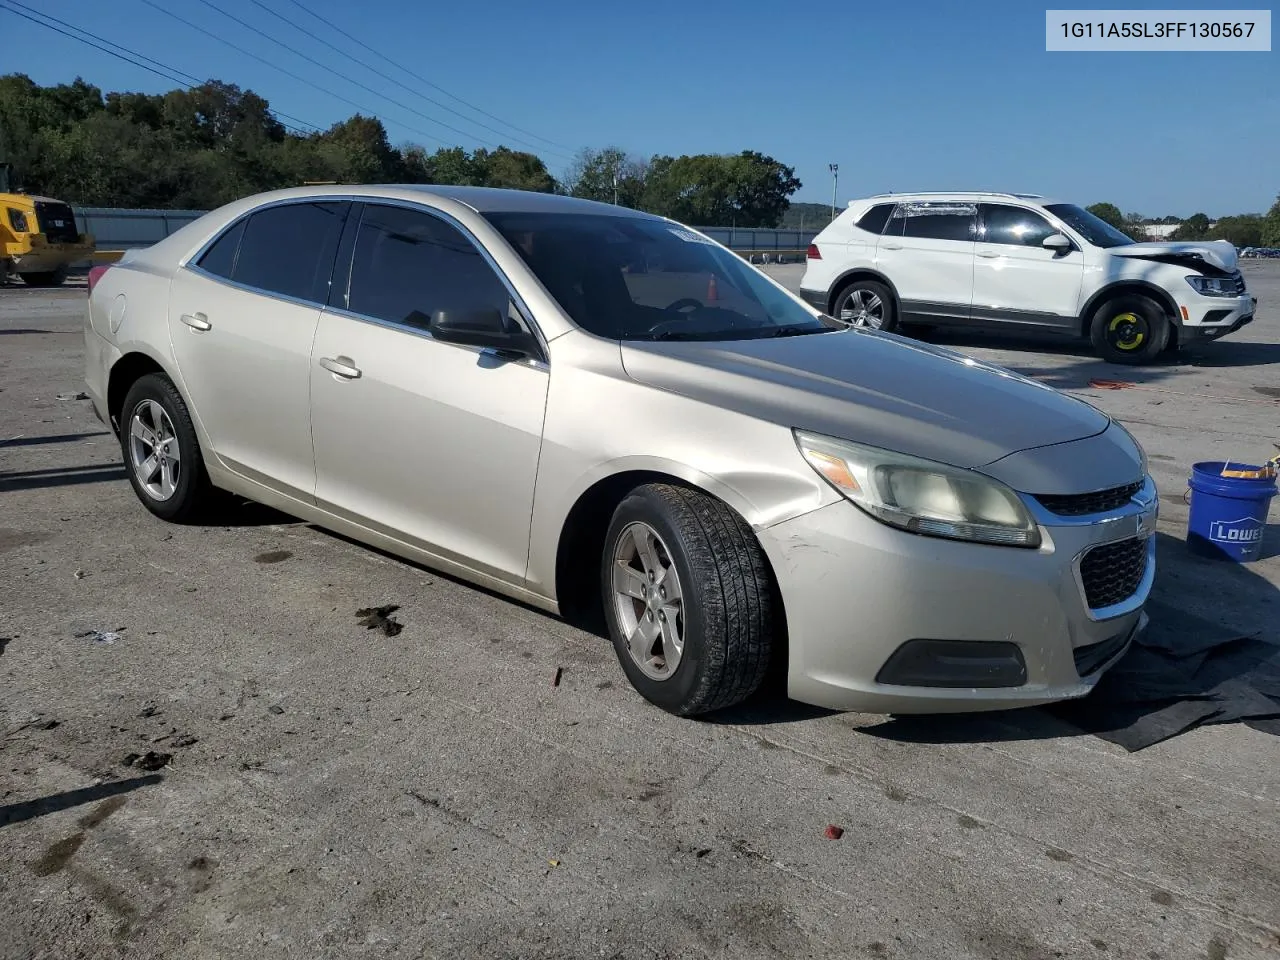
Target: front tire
<point x="866" y="303"/>
<point x="161" y="452"/>
<point x="688" y="598"/>
<point x="49" y="278"/>
<point x="1130" y="330"/>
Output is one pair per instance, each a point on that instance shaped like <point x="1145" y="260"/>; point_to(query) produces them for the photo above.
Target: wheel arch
<point x="124" y="373"/>
<point x="1124" y="288"/>
<point x="862" y="273"/>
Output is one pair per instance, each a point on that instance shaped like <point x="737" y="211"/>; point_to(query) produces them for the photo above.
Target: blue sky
<point x="903" y="96"/>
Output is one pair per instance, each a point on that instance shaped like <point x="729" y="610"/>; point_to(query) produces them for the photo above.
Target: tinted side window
<point x="935" y="221"/>
<point x="289" y="249"/>
<point x="1013" y="226"/>
<point x="220" y="259"/>
<point x="409" y="265"/>
<point x="873" y="220"/>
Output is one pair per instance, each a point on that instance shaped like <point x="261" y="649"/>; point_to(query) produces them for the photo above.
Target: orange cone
<point x="712" y="293"/>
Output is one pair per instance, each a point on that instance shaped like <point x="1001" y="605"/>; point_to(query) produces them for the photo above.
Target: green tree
<point x="1271" y="226"/>
<point x="1195" y="227"/>
<point x="515" y="170"/>
<point x="593" y="173"/>
<point x="1110" y="213"/>
<point x="745" y="190"/>
<point x="1244" y="230"/>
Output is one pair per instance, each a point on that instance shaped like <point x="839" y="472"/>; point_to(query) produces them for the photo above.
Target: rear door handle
<point x="892" y="246"/>
<point x="340" y="367"/>
<point x="197" y="321"/>
<point x="989" y="254"/>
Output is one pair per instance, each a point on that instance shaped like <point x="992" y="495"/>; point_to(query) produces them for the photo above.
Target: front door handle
<point x="341" y="367"/>
<point x="989" y="254"/>
<point x="197" y="321"/>
<point x="892" y="246"/>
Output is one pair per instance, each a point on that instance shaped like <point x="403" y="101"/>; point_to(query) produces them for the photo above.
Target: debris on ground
<point x="65" y="397"/>
<point x="833" y="832"/>
<point x="555" y="681"/>
<point x="184" y="740"/>
<point x="276" y="709"/>
<point x="4" y="642"/>
<point x="701" y="852"/>
<point x="99" y="636"/>
<point x="1177" y="678"/>
<point x="149" y="761"/>
<point x="148" y="710"/>
<point x="379" y="618"/>
<point x="554" y="863"/>
<point x="80" y="574"/>
<point x="49" y="725"/>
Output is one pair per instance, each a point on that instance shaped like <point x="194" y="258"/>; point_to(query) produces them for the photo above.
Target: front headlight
<point x="920" y="495"/>
<point x="1215" y="286"/>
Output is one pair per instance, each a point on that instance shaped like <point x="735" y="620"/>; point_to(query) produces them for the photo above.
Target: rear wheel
<point x="48" y="278"/>
<point x="161" y="452"/>
<point x="866" y="303"/>
<point x="1129" y="329"/>
<point x="688" y="599"/>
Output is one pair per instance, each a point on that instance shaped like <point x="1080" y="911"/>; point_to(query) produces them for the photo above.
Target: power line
<point x="421" y="79"/>
<point x="132" y="57"/>
<point x="288" y="73"/>
<point x="372" y="69"/>
<point x="342" y="76"/>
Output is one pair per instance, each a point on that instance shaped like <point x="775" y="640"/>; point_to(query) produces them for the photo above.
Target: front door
<point x="1016" y="279"/>
<point x="241" y="321"/>
<point x="431" y="443"/>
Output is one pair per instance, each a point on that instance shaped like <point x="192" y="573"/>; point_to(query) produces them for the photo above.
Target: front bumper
<point x="1208" y="318"/>
<point x="855" y="591"/>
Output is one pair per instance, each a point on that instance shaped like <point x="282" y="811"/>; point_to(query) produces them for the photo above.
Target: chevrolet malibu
<point x="595" y="410"/>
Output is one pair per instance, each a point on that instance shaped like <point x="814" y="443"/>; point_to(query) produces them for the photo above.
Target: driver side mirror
<point x="486" y="327"/>
<point x="1056" y="242"/>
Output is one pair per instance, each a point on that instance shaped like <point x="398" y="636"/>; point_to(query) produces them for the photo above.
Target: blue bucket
<point x="1228" y="514"/>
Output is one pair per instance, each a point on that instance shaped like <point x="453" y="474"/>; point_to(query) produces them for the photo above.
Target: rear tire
<point x="49" y="278"/>
<point x="1130" y="329"/>
<point x="866" y="303"/>
<point x="711" y="649"/>
<point x="161" y="452"/>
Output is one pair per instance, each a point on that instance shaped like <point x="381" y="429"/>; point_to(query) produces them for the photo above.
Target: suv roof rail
<point x="950" y="193"/>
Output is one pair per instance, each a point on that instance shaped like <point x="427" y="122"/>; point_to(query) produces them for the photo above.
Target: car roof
<point x="480" y="199"/>
<point x="955" y="195"/>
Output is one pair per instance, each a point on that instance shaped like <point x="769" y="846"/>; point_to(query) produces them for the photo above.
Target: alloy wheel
<point x="862" y="308"/>
<point x="154" y="453"/>
<point x="648" y="600"/>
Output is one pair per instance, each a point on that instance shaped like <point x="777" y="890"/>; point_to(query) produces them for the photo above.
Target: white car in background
<point x="1021" y="262"/>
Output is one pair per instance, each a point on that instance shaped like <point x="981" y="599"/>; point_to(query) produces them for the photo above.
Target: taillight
<point x="95" y="274"/>
<point x="813" y="253"/>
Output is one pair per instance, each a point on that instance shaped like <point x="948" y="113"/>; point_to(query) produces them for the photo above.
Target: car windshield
<point x="1095" y="230"/>
<point x="634" y="278"/>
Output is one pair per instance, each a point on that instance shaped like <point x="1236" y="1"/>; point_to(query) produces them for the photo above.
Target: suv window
<point x="938" y="220"/>
<point x="290" y="249"/>
<point x="873" y="220"/>
<point x="220" y="259"/>
<point x="410" y="265"/>
<point x="1014" y="226"/>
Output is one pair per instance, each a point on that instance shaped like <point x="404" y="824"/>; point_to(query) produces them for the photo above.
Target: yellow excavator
<point x="39" y="241"/>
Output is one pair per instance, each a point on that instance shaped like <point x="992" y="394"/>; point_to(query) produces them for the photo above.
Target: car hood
<point x="1216" y="253"/>
<point x="873" y="388"/>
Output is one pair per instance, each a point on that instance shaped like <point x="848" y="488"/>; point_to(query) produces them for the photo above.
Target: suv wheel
<point x="161" y="452"/>
<point x="1129" y="329"/>
<point x="866" y="303"/>
<point x="688" y="598"/>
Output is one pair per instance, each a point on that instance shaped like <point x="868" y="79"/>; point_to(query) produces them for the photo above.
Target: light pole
<point x="835" y="178"/>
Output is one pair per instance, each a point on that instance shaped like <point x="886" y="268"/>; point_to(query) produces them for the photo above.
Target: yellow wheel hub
<point x="1127" y="331"/>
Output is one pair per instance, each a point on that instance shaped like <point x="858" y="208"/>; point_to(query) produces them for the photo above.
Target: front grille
<point x="1111" y="573"/>
<point x="57" y="222"/>
<point x="1090" y="658"/>
<point x="1081" y="504"/>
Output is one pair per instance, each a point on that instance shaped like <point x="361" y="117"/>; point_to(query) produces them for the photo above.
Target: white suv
<point x="1019" y="261"/>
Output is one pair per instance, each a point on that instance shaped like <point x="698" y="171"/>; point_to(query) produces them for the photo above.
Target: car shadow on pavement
<point x="12" y="813"/>
<point x="21" y="441"/>
<point x="61" y="476"/>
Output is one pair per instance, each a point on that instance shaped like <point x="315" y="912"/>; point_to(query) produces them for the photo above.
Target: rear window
<point x="873" y="220"/>
<point x="941" y="220"/>
<point x="220" y="259"/>
<point x="290" y="249"/>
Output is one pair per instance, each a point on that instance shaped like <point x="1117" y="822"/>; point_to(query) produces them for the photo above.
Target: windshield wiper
<point x="674" y="335"/>
<point x="794" y="330"/>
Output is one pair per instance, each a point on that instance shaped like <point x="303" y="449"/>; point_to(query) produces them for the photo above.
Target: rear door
<point x="242" y="318"/>
<point x="1015" y="279"/>
<point x="926" y="251"/>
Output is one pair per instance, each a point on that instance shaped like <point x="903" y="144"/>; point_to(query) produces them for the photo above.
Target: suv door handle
<point x="892" y="246"/>
<point x="197" y="321"/>
<point x="989" y="254"/>
<point x="340" y="367"/>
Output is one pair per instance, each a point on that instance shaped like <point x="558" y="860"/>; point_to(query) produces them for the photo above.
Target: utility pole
<point x="617" y="164"/>
<point x="835" y="177"/>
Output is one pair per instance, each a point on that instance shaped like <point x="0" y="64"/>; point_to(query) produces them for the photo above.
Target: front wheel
<point x="866" y="303"/>
<point x="1129" y="329"/>
<point x="688" y="598"/>
<point x="48" y="278"/>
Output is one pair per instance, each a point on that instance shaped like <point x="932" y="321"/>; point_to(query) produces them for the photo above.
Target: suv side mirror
<point x="1056" y="242"/>
<point x="487" y="327"/>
